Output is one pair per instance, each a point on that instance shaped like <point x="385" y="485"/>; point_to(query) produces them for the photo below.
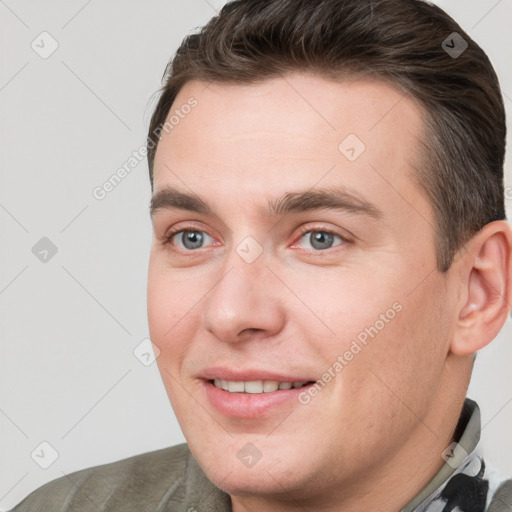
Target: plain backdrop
<point x="73" y="309"/>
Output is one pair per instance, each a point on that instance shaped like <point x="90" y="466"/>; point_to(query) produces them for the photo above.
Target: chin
<point x="256" y="482"/>
<point x="277" y="474"/>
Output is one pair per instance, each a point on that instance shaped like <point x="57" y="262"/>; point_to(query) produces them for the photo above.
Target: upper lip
<point x="249" y="375"/>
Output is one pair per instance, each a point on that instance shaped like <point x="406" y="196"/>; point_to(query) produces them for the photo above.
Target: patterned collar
<point x="465" y="483"/>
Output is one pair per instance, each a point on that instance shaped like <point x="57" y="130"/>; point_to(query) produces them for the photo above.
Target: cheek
<point x="170" y="299"/>
<point x="390" y="340"/>
<point x="405" y="360"/>
<point x="170" y="304"/>
<point x="347" y="307"/>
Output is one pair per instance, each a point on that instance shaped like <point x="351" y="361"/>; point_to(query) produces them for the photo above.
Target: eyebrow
<point x="334" y="198"/>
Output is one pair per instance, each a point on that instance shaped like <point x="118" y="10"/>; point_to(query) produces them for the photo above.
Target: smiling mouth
<point x="257" y="386"/>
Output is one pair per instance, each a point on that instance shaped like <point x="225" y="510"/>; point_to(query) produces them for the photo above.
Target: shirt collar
<point x="463" y="480"/>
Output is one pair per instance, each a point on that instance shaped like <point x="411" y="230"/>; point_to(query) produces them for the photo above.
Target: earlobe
<point x="486" y="271"/>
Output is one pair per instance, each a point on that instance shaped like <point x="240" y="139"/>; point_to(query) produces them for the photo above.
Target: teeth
<point x="235" y="387"/>
<point x="255" y="386"/>
<point x="270" y="385"/>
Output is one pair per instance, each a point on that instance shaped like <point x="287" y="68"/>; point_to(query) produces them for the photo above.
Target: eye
<point x="320" y="240"/>
<point x="189" y="240"/>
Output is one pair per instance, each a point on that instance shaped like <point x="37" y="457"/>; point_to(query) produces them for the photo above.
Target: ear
<point x="486" y="285"/>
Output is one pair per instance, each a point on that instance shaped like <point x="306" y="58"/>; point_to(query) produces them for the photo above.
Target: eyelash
<point x="302" y="231"/>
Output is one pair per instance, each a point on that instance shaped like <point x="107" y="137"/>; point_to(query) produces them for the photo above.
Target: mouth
<point x="257" y="386"/>
<point x="253" y="395"/>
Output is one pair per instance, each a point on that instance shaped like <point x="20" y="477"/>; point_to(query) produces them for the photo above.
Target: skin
<point x="295" y="309"/>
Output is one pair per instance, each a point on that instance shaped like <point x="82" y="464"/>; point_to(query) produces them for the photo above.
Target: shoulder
<point x="145" y="482"/>
<point x="502" y="499"/>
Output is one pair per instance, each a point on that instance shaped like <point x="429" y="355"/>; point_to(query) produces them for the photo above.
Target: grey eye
<point x="191" y="239"/>
<point x="321" y="240"/>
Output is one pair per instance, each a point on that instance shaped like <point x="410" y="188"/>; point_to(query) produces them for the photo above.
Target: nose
<point x="247" y="302"/>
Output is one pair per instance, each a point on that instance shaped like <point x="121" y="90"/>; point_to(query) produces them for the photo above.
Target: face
<point x="293" y="290"/>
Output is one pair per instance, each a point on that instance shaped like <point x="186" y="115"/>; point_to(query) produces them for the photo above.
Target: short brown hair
<point x="404" y="42"/>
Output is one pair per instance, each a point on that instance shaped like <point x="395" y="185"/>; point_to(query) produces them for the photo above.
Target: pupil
<point x="321" y="240"/>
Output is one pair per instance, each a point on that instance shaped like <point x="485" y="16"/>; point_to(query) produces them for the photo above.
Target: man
<point x="330" y="251"/>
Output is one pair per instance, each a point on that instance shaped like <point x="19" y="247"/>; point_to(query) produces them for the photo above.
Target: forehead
<point x="291" y="132"/>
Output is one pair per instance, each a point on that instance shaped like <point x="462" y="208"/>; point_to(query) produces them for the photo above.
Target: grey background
<point x="69" y="326"/>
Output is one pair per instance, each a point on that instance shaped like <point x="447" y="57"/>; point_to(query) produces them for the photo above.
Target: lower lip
<point x="250" y="405"/>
